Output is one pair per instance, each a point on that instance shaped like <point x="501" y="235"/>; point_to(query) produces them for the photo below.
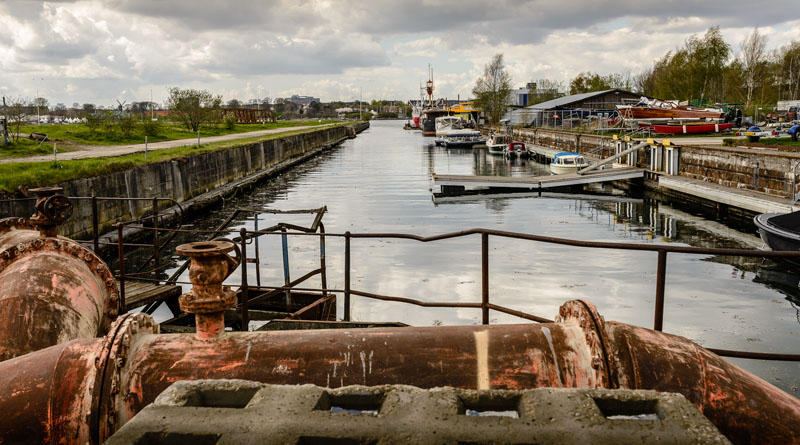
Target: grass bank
<point x="39" y="174"/>
<point x="166" y="131"/>
<point x="26" y="147"/>
<point x="786" y="144"/>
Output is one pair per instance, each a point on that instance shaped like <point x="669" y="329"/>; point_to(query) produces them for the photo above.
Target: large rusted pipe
<point x="94" y="386"/>
<point x="52" y="289"/>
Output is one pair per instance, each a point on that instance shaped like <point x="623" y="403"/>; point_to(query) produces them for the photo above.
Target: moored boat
<point x="428" y="120"/>
<point x="497" y="144"/>
<point x="516" y="150"/>
<point x="463" y="139"/>
<point x="780" y="231"/>
<point x="446" y="124"/>
<point x="567" y="162"/>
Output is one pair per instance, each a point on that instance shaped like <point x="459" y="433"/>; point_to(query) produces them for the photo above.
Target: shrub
<point x="230" y="121"/>
<point x="151" y="128"/>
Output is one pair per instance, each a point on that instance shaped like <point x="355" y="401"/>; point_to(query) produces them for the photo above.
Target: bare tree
<point x="493" y="89"/>
<point x="753" y="53"/>
<point x="18" y="108"/>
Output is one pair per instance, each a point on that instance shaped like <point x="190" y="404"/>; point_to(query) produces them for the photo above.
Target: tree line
<point x="704" y="70"/>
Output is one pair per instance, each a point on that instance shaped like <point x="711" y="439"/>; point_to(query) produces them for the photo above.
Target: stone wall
<point x="180" y="179"/>
<point x="767" y="171"/>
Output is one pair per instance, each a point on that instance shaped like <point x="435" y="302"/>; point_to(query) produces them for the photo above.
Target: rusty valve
<point x="52" y="209"/>
<point x="208" y="299"/>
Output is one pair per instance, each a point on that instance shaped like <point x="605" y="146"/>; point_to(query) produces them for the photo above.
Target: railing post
<point x="661" y="278"/>
<point x="485" y="277"/>
<point x="286" y="277"/>
<point x="322" y="266"/>
<point x="156" y="247"/>
<point x="95" y="224"/>
<point x="244" y="288"/>
<point x="121" y="253"/>
<point x="258" y="256"/>
<point x="347" y="276"/>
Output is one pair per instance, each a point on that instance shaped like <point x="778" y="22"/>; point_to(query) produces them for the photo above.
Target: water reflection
<point x="381" y="182"/>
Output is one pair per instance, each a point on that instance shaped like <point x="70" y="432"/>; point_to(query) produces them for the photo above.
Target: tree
<point x="141" y="108"/>
<point x="60" y="110"/>
<point x="194" y="107"/>
<point x="17" y="115"/>
<point x="544" y="90"/>
<point x="89" y="108"/>
<point x="233" y="103"/>
<point x="753" y="50"/>
<point x="493" y="89"/>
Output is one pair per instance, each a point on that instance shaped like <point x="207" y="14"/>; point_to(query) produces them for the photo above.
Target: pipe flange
<point x="110" y="364"/>
<point x="585" y="315"/>
<point x="15" y="223"/>
<point x="75" y="250"/>
<point x="192" y="304"/>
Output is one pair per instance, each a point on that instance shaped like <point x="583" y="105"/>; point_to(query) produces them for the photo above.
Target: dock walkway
<point x="539" y="182"/>
<point x="140" y="293"/>
<point x="753" y="201"/>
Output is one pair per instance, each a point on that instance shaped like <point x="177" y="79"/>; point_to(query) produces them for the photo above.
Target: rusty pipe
<point x="208" y="300"/>
<point x="110" y="379"/>
<point x="52" y="289"/>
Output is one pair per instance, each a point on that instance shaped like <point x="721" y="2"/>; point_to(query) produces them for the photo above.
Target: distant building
<point x="302" y="100"/>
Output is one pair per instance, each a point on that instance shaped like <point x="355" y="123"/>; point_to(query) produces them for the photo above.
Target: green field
<point x="168" y="131"/>
<point x="39" y="174"/>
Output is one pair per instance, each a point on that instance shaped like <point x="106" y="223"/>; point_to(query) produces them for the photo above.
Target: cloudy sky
<point x="101" y="51"/>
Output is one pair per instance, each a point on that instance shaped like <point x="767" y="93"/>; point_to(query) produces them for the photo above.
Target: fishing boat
<point x="687" y="127"/>
<point x="497" y="144"/>
<point x="516" y="150"/>
<point x="463" y="139"/>
<point x="567" y="162"/>
<point x="428" y="120"/>
<point x="780" y="231"/>
<point x="658" y="109"/>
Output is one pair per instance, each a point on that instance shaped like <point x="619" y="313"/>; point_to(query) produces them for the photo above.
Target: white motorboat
<point x="463" y="139"/>
<point x="445" y="124"/>
<point x="567" y="162"/>
<point x="497" y="144"/>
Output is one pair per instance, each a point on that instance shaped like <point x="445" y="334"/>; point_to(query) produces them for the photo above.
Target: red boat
<point x="687" y="128"/>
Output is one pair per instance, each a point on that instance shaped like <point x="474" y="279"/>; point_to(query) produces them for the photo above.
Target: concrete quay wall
<point x="194" y="181"/>
<point x="762" y="170"/>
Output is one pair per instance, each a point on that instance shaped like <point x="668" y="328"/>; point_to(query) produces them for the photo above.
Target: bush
<point x="92" y="122"/>
<point x="126" y="125"/>
<point x="230" y="121"/>
<point x="151" y="128"/>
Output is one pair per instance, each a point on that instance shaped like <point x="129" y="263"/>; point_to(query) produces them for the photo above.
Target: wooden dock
<point x="537" y="182"/>
<point x="140" y="293"/>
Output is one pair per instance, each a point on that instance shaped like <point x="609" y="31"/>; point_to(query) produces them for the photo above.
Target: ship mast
<point x="429" y="86"/>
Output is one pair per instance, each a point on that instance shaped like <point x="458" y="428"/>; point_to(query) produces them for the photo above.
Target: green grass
<point x="39" y="174"/>
<point x="80" y="134"/>
<point x="25" y="147"/>
<point x="786" y="143"/>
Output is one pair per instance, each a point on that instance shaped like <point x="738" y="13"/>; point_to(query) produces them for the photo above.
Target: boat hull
<point x="667" y="113"/>
<point x="564" y="169"/>
<point x="774" y="236"/>
<point x="691" y="129"/>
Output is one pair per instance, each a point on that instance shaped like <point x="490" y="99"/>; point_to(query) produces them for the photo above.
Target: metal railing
<point x="485" y="304"/>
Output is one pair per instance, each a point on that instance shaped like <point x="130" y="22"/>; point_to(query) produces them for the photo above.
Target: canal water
<point x="381" y="182"/>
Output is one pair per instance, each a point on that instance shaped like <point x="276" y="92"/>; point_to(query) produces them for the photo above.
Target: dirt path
<point x="94" y="151"/>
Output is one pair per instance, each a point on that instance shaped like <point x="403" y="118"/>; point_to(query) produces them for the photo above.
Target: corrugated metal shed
<point x="578" y="99"/>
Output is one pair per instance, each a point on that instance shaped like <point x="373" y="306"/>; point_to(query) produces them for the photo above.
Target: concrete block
<point x="239" y="412"/>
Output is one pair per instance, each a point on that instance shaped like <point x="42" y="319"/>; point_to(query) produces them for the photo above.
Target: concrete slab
<point x="237" y="411"/>
<point x="740" y="198"/>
